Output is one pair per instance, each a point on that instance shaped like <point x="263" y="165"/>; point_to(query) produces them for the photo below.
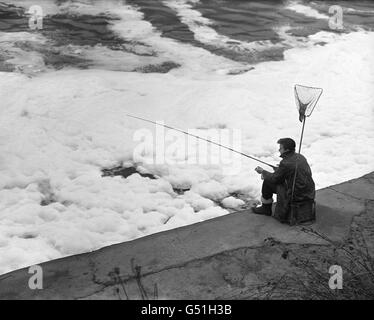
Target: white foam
<point x="200" y="26"/>
<point x="193" y="60"/>
<point x="231" y="202"/>
<point x="352" y="10"/>
<point x="32" y="62"/>
<point x="299" y="7"/>
<point x="25" y="60"/>
<point x="131" y="26"/>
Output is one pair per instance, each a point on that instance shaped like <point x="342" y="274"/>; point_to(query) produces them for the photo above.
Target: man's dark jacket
<point x="284" y="175"/>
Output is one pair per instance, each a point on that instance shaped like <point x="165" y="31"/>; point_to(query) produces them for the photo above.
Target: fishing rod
<point x="197" y="137"/>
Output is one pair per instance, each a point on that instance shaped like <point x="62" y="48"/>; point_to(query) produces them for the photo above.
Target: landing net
<point x="306" y="99"/>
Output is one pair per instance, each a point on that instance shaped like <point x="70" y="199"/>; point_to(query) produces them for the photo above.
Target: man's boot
<point x="265" y="209"/>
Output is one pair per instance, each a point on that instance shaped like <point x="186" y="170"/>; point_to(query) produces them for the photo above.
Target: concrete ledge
<point x="101" y="273"/>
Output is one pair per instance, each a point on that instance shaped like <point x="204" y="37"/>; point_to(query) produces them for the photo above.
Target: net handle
<point x="302" y="134"/>
<point x="297" y="162"/>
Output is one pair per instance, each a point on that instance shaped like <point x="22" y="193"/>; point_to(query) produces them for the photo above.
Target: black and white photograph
<point x="200" y="151"/>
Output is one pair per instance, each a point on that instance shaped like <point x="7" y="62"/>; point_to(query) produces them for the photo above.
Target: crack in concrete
<point x="90" y="294"/>
<point x="93" y="270"/>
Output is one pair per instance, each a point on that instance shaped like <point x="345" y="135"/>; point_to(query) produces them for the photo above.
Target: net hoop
<point x="306" y="99"/>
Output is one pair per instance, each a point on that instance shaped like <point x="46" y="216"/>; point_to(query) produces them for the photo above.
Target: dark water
<point x="238" y="20"/>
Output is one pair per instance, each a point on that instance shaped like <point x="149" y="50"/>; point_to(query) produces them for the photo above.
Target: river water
<point x="91" y="34"/>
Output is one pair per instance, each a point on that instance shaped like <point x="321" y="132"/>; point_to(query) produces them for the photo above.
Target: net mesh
<point x="306" y="99"/>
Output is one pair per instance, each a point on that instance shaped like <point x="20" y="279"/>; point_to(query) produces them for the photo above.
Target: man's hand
<point x="259" y="170"/>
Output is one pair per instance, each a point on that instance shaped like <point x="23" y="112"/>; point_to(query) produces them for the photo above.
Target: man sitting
<point x="283" y="178"/>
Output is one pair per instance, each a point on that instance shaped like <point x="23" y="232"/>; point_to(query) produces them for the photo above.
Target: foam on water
<point x="191" y="58"/>
<point x="368" y="12"/>
<point x="144" y="44"/>
<point x="26" y="61"/>
<point x="140" y="46"/>
<point x="308" y="11"/>
<point x="31" y="54"/>
<point x="200" y="26"/>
